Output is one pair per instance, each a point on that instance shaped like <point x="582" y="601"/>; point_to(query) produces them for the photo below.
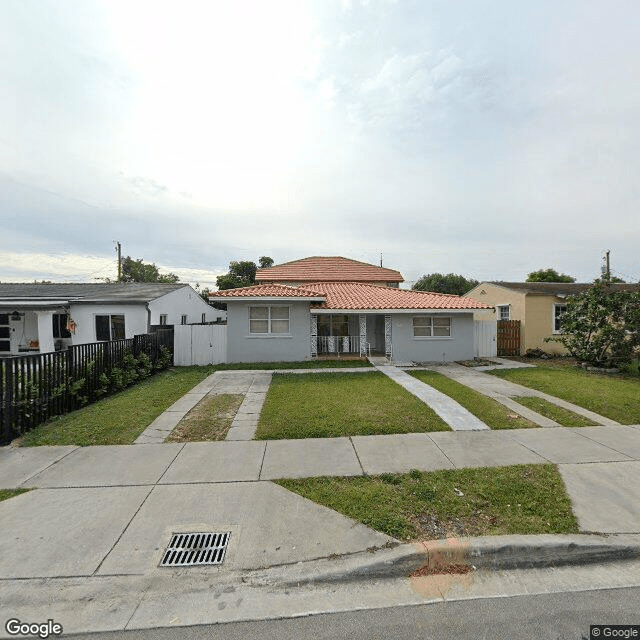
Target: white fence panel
<point x="485" y="338"/>
<point x="200" y="344"/>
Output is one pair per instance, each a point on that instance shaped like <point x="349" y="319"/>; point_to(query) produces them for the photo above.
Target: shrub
<point x="601" y="326"/>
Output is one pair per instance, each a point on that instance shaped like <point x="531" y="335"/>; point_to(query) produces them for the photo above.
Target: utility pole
<point x="119" y="250"/>
<point x="607" y="269"/>
<point x="380" y="258"/>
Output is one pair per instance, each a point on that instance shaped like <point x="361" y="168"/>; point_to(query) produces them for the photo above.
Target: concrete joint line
<point x="264" y="453"/>
<point x="49" y="466"/>
<point x="535" y="453"/>
<point x="170" y="463"/>
<point x="442" y="452"/>
<point x="622" y="453"/>
<point x="364" y="473"/>
<point x="137" y="511"/>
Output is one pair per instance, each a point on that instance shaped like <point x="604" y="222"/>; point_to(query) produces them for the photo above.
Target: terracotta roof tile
<point x="267" y="291"/>
<point x="355" y="296"/>
<point x="328" y="269"/>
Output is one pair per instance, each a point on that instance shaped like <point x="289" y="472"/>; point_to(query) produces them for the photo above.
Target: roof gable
<point x="328" y="269"/>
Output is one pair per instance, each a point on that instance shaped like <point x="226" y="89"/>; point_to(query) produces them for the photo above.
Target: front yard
<point x="520" y="499"/>
<point x="614" y="397"/>
<point x="122" y="417"/>
<point x="325" y="405"/>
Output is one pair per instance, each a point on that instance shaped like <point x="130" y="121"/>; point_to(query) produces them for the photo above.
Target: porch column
<point x="314" y="335"/>
<point x="388" y="350"/>
<point x="363" y="334"/>
<point x="45" y="331"/>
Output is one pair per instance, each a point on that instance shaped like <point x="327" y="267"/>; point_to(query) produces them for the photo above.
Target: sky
<point x="488" y="139"/>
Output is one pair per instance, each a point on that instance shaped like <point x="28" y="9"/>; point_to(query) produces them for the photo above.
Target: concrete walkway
<point x="454" y="414"/>
<point x="502" y="391"/>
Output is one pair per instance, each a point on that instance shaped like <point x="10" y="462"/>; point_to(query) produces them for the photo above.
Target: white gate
<point x="485" y="338"/>
<point x="199" y="344"/>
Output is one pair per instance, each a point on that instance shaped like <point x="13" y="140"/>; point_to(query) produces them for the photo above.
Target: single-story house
<point x="328" y="269"/>
<point x="46" y="317"/>
<point x="537" y="305"/>
<point x="279" y="322"/>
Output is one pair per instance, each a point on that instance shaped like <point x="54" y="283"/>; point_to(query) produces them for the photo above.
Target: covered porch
<point x="362" y="334"/>
<point x="28" y="330"/>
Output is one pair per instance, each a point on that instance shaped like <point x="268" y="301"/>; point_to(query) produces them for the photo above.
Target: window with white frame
<point x="163" y="319"/>
<point x="110" y="327"/>
<point x="204" y="318"/>
<point x="183" y="319"/>
<point x="269" y="320"/>
<point x="503" y="311"/>
<point x="558" y="310"/>
<point x="431" y="327"/>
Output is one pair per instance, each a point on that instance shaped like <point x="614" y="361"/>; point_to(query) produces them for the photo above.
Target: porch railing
<point x="338" y="344"/>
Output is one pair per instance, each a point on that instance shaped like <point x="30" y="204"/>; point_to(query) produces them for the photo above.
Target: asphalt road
<point x="556" y="616"/>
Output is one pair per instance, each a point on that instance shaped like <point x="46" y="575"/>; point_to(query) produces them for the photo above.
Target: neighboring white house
<point x="46" y="317"/>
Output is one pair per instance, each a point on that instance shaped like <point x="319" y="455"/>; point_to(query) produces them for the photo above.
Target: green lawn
<point x="521" y="499"/>
<point x="492" y="413"/>
<point x="324" y="405"/>
<point x="558" y="414"/>
<point x="615" y="397"/>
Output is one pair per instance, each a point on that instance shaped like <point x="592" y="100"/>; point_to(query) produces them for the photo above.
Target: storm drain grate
<point x="194" y="549"/>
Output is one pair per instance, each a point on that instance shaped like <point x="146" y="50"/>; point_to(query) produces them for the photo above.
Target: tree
<point x="601" y="326"/>
<point x="450" y="283"/>
<point x="242" y="274"/>
<point x="139" y="271"/>
<point x="549" y="275"/>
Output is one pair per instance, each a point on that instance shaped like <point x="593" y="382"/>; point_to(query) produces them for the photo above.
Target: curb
<point x="446" y="556"/>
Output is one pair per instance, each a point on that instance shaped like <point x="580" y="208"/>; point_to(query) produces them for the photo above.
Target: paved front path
<point x="503" y="390"/>
<point x="454" y="414"/>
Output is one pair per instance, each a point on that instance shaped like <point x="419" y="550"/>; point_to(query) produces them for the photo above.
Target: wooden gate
<point x="508" y="337"/>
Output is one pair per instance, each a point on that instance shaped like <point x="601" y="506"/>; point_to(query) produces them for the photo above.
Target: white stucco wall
<point x="245" y="347"/>
<point x="135" y="319"/>
<point x="407" y="348"/>
<point x="185" y="301"/>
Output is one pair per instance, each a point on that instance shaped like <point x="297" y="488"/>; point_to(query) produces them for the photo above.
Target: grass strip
<point x="325" y="405"/>
<point x="5" y="494"/>
<point x="520" y="499"/>
<point x="558" y="414"/>
<point x="615" y="397"/>
<point x="209" y="420"/>
<point x="492" y="413"/>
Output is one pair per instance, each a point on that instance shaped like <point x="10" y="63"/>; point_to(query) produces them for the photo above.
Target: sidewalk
<point x="91" y="535"/>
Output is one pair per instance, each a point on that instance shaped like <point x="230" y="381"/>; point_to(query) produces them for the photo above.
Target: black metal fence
<point x="34" y="388"/>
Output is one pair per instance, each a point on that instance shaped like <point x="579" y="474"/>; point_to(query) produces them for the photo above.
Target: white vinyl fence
<point x="199" y="344"/>
<point x="485" y="338"/>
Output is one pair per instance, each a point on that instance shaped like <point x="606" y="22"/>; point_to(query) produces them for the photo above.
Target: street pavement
<point x="95" y="526"/>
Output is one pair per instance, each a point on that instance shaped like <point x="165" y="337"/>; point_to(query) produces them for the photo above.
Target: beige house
<point x="537" y="305"/>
